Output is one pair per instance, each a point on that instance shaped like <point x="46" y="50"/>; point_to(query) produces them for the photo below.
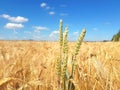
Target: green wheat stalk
<point x="79" y="42"/>
<point x="65" y="57"/>
<point x="61" y="63"/>
<point x="74" y="63"/>
<point x="59" y="59"/>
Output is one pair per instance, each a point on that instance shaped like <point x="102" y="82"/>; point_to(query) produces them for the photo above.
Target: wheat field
<point x="30" y="65"/>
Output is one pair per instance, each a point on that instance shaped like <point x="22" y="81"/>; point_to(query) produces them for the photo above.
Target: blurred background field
<point x="30" y="65"/>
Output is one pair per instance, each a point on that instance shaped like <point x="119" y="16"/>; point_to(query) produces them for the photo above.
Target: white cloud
<point x="51" y="13"/>
<point x="17" y="19"/>
<point x="43" y="4"/>
<point x="48" y="8"/>
<point x="63" y="14"/>
<point x="5" y="16"/>
<point x="39" y="28"/>
<point x="13" y="26"/>
<point x="54" y="33"/>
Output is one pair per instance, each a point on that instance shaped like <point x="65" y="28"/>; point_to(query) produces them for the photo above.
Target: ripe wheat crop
<point x="30" y="65"/>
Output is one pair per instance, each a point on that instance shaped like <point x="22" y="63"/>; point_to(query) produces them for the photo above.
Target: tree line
<point x="116" y="37"/>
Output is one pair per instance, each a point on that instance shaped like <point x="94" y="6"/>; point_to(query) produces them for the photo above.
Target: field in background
<point x="29" y="65"/>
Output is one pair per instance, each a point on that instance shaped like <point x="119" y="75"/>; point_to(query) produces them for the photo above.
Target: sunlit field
<point x="30" y="65"/>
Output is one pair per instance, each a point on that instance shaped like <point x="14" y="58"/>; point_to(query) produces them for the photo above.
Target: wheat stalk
<point x="79" y="42"/>
<point x="59" y="60"/>
<point x="74" y="62"/>
<point x="65" y="57"/>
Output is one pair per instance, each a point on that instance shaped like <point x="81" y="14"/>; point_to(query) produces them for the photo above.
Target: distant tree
<point x="105" y="40"/>
<point x="116" y="37"/>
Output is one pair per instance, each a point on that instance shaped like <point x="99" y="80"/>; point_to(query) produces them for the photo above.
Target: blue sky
<point x="39" y="19"/>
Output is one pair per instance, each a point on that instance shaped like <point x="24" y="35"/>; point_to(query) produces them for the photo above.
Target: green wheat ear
<point x="59" y="59"/>
<point x="61" y="45"/>
<point x="80" y="39"/>
<point x="65" y="41"/>
<point x="58" y="67"/>
<point x="61" y="34"/>
<point x="65" y="51"/>
<point x="74" y="62"/>
<point x="79" y="42"/>
<point x="61" y="62"/>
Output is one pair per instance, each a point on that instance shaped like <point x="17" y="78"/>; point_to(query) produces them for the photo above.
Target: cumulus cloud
<point x="13" y="26"/>
<point x="5" y="16"/>
<point x="51" y="13"/>
<point x="39" y="28"/>
<point x="48" y="8"/>
<point x="18" y="19"/>
<point x="43" y="4"/>
<point x="54" y="33"/>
